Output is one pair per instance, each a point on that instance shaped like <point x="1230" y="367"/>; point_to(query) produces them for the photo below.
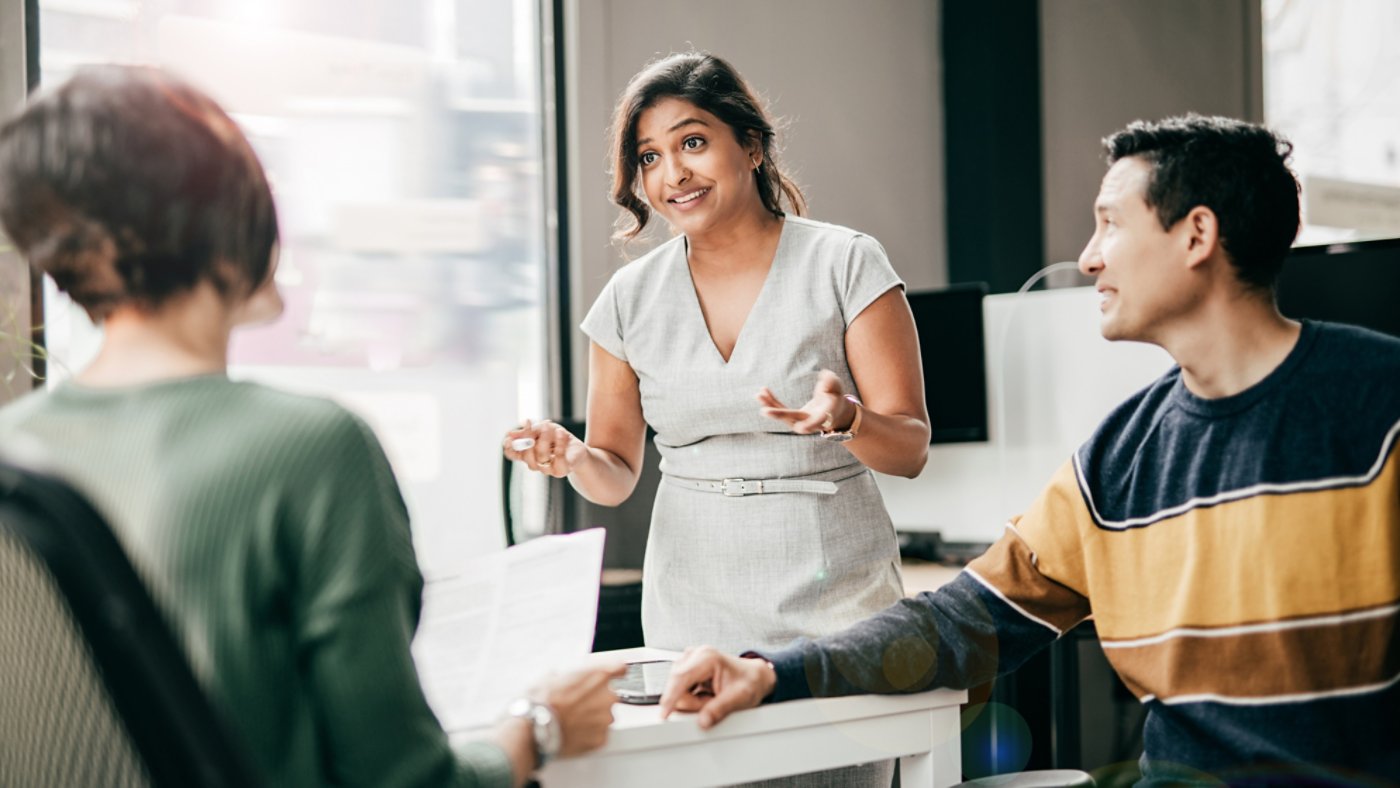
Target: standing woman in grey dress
<point x="776" y="359"/>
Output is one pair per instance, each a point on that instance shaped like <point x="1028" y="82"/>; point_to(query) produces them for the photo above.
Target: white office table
<point x="771" y="741"/>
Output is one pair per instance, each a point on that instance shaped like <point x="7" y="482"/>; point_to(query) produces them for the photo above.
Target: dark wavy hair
<point x="712" y="84"/>
<point x="1238" y="170"/>
<point x="130" y="186"/>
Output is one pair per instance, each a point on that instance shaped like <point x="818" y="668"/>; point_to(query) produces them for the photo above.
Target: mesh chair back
<point x="93" y="689"/>
<point x="59" y="726"/>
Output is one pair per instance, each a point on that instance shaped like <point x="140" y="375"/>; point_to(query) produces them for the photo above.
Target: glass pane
<point x="402" y="138"/>
<point x="1332" y="84"/>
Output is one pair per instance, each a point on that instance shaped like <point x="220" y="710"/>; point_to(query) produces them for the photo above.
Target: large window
<point x="403" y="140"/>
<point x="1332" y="84"/>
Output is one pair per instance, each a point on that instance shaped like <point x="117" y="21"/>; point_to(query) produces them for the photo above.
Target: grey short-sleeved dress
<point x="758" y="570"/>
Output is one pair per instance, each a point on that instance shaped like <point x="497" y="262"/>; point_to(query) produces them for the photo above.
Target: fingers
<point x="692" y="678"/>
<point x="733" y="698"/>
<point x="713" y="684"/>
<point x="803" y="422"/>
<point x="583" y="702"/>
<point x="829" y="383"/>
<point x="544" y="446"/>
<point x="817" y="415"/>
<point x="767" y="399"/>
<point x="514" y="444"/>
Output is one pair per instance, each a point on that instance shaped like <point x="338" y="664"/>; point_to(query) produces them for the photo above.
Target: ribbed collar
<point x="1221" y="407"/>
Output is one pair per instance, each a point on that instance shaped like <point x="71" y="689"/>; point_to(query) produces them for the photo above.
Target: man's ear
<point x="1202" y="235"/>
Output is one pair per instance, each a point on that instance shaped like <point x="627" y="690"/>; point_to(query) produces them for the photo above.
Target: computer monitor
<point x="953" y="350"/>
<point x="1357" y="283"/>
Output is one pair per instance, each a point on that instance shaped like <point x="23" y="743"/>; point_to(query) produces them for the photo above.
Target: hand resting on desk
<point x="715" y="685"/>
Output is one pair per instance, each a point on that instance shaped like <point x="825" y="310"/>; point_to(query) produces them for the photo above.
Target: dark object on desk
<point x="1356" y="283"/>
<point x="929" y="546"/>
<point x="644" y="682"/>
<point x="96" y="692"/>
<point x="953" y="352"/>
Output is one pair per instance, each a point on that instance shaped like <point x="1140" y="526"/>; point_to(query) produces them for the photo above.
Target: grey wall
<point x="14" y="274"/>
<point x="859" y="83"/>
<point x="1108" y="62"/>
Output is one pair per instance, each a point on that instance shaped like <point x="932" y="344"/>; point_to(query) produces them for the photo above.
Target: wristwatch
<point x="849" y="432"/>
<point x="544" y="727"/>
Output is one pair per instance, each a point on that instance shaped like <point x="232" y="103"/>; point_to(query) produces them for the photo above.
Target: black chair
<point x="619" y="623"/>
<point x="93" y="688"/>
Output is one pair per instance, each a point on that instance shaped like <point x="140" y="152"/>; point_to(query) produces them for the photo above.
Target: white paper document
<point x="490" y="633"/>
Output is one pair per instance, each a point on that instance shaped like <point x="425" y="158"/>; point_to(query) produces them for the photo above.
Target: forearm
<point x="949" y="638"/>
<point x="515" y="738"/>
<point x="894" y="444"/>
<point x="604" y="478"/>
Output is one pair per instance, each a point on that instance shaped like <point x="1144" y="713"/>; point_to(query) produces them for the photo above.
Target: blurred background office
<point x="440" y="167"/>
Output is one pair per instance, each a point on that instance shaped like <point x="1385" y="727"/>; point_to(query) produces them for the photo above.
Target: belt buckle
<point x="734" y="488"/>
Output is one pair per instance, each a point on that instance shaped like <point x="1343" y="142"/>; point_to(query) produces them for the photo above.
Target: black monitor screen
<point x="1357" y="283"/>
<point x="953" y="352"/>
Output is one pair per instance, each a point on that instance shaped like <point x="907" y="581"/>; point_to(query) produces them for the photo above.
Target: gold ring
<point x="546" y="463"/>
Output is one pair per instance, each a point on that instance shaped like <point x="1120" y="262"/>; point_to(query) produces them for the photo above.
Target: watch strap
<point x="851" y="431"/>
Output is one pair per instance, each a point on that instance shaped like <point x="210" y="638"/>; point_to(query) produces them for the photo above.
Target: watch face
<point x="549" y="738"/>
<point x="544" y="728"/>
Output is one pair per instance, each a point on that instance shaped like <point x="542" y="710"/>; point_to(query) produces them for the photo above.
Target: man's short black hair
<point x="129" y="186"/>
<point x="1238" y="170"/>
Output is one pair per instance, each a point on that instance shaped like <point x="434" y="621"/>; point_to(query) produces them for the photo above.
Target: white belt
<point x="735" y="488"/>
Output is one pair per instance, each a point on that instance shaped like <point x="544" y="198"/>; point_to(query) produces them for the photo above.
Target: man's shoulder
<point x="1355" y="350"/>
<point x="1352" y="373"/>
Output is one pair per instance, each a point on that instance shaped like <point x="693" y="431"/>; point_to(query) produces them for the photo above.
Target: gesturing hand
<point x="827" y="410"/>
<point x="554" y="450"/>
<point x="715" y="685"/>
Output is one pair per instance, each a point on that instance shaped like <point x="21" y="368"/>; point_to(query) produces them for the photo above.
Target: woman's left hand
<point x="828" y="410"/>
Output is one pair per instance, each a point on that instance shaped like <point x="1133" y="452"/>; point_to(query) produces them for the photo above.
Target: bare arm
<point x="605" y="465"/>
<point x="616" y="431"/>
<point x="882" y="351"/>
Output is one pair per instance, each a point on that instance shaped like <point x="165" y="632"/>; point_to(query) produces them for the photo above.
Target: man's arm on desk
<point x="987" y="622"/>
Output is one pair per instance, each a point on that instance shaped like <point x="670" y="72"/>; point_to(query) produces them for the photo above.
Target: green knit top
<point x="271" y="532"/>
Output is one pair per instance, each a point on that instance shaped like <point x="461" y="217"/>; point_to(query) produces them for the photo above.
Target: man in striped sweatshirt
<point x="1233" y="529"/>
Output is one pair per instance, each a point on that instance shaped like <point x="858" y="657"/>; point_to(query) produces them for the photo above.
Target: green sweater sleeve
<point x="357" y="593"/>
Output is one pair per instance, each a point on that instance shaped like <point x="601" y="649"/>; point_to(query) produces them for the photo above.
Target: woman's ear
<point x="263" y="305"/>
<point x="755" y="150"/>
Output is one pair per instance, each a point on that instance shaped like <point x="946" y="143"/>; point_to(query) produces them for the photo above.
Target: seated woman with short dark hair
<point x="268" y="526"/>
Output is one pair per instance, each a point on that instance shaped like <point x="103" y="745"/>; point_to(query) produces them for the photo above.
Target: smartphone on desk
<point x="644" y="682"/>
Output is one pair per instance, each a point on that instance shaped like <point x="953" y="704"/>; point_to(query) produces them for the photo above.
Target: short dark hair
<point x="1238" y="170"/>
<point x="129" y="186"/>
<point x="712" y="84"/>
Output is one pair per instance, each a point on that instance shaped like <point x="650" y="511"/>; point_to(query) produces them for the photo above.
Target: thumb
<point x="828" y="383"/>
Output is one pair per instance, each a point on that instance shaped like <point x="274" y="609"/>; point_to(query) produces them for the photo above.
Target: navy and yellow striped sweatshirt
<point x="1240" y="558"/>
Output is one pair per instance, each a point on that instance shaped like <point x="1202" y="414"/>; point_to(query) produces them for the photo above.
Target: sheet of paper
<point x="490" y="633"/>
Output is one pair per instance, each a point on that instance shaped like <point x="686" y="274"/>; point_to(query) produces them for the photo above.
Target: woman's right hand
<point x="555" y="451"/>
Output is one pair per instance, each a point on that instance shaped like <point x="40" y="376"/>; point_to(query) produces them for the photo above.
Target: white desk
<point x="772" y="741"/>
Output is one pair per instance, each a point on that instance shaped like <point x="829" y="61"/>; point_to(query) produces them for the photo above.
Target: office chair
<point x="94" y="690"/>
<point x="619" y="623"/>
